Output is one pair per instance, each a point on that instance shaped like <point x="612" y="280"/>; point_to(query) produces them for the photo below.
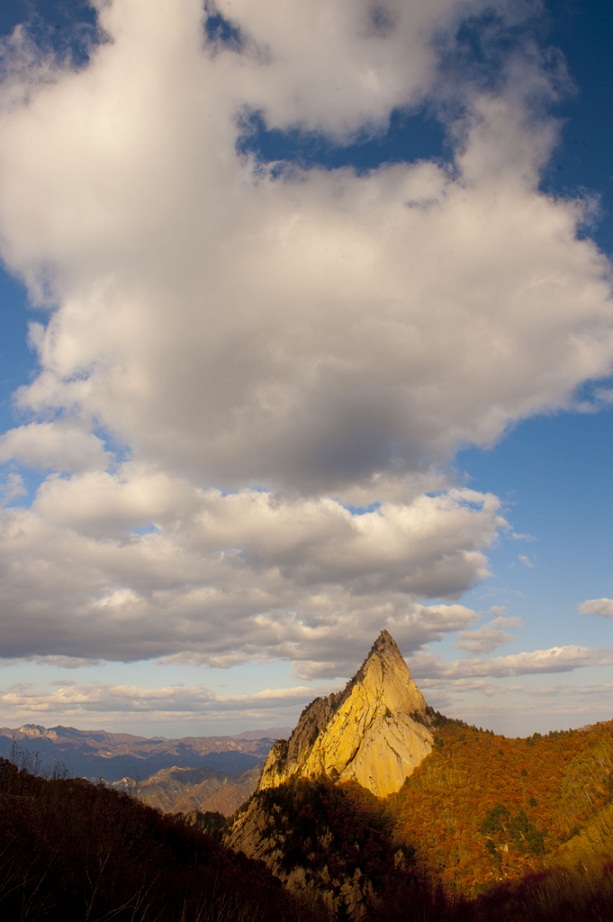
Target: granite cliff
<point x="376" y="731"/>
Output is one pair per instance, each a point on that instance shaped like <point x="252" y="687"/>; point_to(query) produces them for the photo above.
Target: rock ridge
<point x="375" y="731"/>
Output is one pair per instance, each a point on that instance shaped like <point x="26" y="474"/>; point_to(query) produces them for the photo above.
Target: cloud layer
<point x="90" y="702"/>
<point x="465" y="686"/>
<point x="137" y="564"/>
<point x="237" y="355"/>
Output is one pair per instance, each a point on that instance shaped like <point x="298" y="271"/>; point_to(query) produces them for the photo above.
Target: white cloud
<point x="555" y="659"/>
<point x="12" y="488"/>
<point x="294" y="332"/>
<point x="486" y="638"/>
<point x="324" y="336"/>
<point x="139" y="565"/>
<point x="60" y="446"/>
<point x="603" y="607"/>
<point x="337" y="68"/>
<point x="71" y="701"/>
<point x="553" y="707"/>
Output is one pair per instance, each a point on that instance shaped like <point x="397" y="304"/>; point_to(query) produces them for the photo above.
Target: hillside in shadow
<point x="72" y="851"/>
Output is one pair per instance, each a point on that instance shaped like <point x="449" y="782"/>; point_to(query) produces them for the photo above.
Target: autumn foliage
<point x="483" y="809"/>
<point x="485" y="828"/>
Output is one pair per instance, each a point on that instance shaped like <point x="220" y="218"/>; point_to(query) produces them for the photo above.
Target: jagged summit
<point x="375" y="731"/>
<point x="385" y="667"/>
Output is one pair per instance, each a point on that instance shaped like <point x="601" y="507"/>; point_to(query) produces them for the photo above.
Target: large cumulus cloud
<point x="234" y="355"/>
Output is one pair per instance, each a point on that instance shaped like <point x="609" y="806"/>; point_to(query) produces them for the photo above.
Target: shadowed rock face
<point x="374" y="732"/>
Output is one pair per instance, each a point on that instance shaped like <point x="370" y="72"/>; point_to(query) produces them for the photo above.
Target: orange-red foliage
<point x="482" y="808"/>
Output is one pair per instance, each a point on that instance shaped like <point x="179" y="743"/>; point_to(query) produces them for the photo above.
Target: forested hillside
<point x="486" y="827"/>
<point x="483" y="808"/>
<point x="72" y="851"/>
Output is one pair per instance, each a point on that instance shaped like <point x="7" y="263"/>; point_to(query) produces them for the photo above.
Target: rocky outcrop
<point x="185" y="790"/>
<point x="376" y="731"/>
<point x="307" y="857"/>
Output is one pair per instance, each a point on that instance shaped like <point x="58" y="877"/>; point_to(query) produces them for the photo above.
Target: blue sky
<point x="306" y="332"/>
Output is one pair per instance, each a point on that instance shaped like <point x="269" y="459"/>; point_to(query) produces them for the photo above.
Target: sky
<point x="306" y="331"/>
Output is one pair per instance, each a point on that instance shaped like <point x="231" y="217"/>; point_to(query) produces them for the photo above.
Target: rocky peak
<point x="376" y="731"/>
<point x="385" y="670"/>
<point x="33" y="731"/>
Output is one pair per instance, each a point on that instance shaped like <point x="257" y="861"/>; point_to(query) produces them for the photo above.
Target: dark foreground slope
<point x="338" y="841"/>
<point x="72" y="851"/>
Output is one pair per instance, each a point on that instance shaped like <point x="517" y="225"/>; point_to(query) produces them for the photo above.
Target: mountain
<point x="482" y="826"/>
<point x="209" y="773"/>
<point x="376" y="731"/>
<point x="185" y="790"/>
<point x="364" y="740"/>
<point x="114" y="756"/>
<point x="483" y="809"/>
<point x="384" y="809"/>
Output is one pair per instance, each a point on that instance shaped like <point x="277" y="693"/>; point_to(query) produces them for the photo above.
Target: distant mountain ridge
<point x="208" y="773"/>
<point x="194" y="790"/>
<point x="113" y="756"/>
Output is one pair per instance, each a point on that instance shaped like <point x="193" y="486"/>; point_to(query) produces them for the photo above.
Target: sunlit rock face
<point x="376" y="731"/>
